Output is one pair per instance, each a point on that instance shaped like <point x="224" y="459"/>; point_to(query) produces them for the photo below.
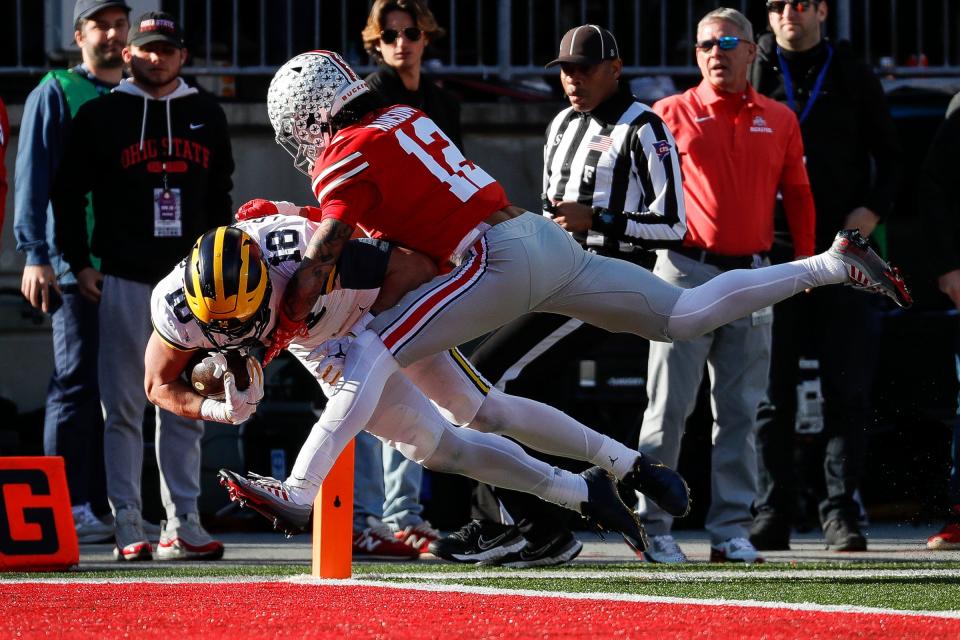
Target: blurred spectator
<point x="940" y="203"/>
<point x="387" y="509"/>
<point x="155" y="156"/>
<point x="579" y="153"/>
<point x="4" y="140"/>
<point x="396" y="36"/>
<point x="73" y="420"/>
<point x="852" y="160"/>
<point x="738" y="149"/>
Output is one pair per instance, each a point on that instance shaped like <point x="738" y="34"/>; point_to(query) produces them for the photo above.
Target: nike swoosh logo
<point x="703" y="118"/>
<point x="195" y="126"/>
<point x="492" y="542"/>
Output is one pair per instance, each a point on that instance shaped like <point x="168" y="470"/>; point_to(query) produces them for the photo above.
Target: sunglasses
<point x="726" y="43"/>
<point x="411" y="34"/>
<point x="798" y="5"/>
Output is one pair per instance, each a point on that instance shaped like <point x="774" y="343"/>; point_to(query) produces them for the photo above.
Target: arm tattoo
<point x="319" y="259"/>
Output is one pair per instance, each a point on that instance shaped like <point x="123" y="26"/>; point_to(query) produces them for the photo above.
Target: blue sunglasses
<point x="726" y="43"/>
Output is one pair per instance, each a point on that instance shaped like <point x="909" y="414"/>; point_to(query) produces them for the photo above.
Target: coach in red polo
<point x="738" y="151"/>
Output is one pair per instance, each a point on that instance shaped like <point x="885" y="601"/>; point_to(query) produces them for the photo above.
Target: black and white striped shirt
<point x="622" y="160"/>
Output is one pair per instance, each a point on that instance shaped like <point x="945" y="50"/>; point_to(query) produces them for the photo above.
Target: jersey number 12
<point x="462" y="178"/>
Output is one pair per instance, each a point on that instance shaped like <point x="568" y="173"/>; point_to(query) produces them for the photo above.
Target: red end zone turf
<point x="270" y="609"/>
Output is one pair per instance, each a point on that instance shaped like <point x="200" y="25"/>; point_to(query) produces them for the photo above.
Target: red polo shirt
<point x="737" y="151"/>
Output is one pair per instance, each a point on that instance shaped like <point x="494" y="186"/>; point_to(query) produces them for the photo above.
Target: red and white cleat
<point x="270" y="498"/>
<point x="867" y="270"/>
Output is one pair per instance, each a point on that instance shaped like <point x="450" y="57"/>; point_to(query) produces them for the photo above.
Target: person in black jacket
<point x="940" y="204"/>
<point x="396" y="36"/>
<point x="852" y="160"/>
<point x="155" y="156"/>
<point x="387" y="508"/>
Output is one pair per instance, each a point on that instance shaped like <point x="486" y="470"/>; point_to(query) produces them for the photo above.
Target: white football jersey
<point x="283" y="241"/>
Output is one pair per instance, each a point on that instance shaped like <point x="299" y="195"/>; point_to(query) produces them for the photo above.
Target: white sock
<point x="301" y="491"/>
<point x="827" y="268"/>
<point x="615" y="457"/>
<point x="566" y="489"/>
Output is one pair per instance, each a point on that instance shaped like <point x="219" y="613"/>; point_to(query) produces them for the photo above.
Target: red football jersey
<point x="395" y="175"/>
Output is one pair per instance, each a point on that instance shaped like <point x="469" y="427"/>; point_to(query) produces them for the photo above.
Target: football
<point x="201" y="370"/>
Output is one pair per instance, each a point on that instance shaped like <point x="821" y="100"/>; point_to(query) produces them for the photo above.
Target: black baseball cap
<point x="156" y="26"/>
<point x="86" y="8"/>
<point x="586" y="44"/>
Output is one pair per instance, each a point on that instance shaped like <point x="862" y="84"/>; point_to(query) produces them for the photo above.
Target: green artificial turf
<point x="917" y="594"/>
<point x="758" y="582"/>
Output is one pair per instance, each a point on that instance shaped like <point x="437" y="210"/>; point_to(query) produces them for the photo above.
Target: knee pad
<point x="406" y="420"/>
<point x="491" y="416"/>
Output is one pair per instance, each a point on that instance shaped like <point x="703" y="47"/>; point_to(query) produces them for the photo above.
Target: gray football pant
<point x="124" y="331"/>
<point x="737" y="356"/>
<point x="525" y="264"/>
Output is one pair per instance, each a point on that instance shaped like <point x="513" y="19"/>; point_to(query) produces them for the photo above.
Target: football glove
<point x="331" y="355"/>
<point x="285" y="332"/>
<point x="237" y="406"/>
<point x="219" y="362"/>
<point x="333" y="352"/>
<point x="259" y="208"/>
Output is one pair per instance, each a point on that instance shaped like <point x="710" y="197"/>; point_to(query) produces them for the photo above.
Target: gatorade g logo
<point x="36" y="524"/>
<point x="19" y="529"/>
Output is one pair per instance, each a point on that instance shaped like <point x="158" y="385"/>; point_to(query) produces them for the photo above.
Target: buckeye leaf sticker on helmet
<point x="304" y="94"/>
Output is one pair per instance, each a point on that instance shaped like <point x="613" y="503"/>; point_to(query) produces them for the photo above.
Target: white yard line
<point x="626" y="597"/>
<point x="671" y="576"/>
<point x="380" y="580"/>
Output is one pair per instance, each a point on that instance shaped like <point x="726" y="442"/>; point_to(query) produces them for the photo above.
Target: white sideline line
<point x="377" y="580"/>
<point x="628" y="597"/>
<point x="151" y="580"/>
<point x="672" y="576"/>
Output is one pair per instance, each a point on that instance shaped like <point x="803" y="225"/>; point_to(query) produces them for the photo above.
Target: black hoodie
<point x="847" y="136"/>
<point x="117" y="150"/>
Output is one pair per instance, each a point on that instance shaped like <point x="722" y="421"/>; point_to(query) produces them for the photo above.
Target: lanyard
<point x="817" y="86"/>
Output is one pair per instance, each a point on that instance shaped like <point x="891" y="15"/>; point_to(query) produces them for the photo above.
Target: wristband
<point x="214" y="410"/>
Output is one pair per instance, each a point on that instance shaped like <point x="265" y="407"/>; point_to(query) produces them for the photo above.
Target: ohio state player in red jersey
<point x="356" y="181"/>
<point x="392" y="173"/>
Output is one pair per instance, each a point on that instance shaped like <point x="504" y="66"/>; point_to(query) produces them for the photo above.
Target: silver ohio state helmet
<point x="305" y="93"/>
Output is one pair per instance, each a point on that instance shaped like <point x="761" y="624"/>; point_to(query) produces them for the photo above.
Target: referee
<point x="612" y="178"/>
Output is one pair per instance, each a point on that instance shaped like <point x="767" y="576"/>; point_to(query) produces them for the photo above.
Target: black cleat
<point x="270" y="498"/>
<point x="660" y="483"/>
<point x="605" y="509"/>
<point x="479" y="541"/>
